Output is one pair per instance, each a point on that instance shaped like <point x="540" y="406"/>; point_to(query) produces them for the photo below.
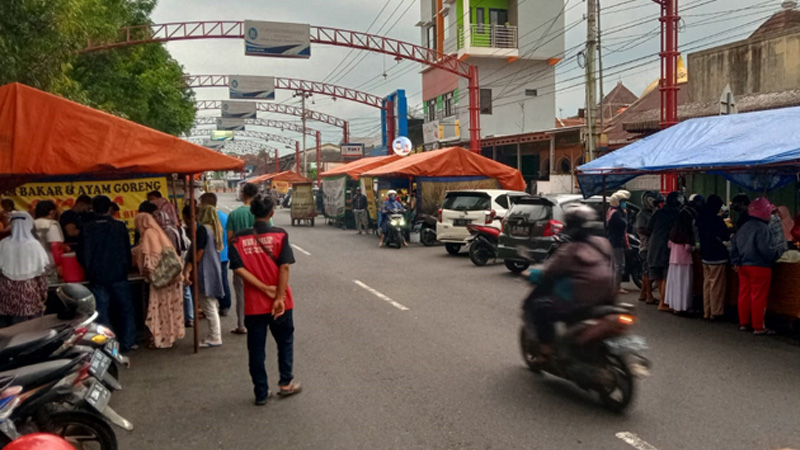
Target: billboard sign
<point x="430" y="132"/>
<point x="230" y="124"/>
<point x="352" y="150"/>
<point x="238" y="110"/>
<point x="251" y="87"/>
<point x="208" y="143"/>
<point x="221" y="135"/>
<point x="288" y="40"/>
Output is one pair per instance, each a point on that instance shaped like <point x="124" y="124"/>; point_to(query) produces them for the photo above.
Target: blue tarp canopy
<point x="758" y="150"/>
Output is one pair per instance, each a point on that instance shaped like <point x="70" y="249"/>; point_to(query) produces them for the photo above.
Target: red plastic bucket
<point x="70" y="269"/>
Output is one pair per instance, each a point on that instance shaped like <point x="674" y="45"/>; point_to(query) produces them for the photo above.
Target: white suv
<point x="467" y="207"/>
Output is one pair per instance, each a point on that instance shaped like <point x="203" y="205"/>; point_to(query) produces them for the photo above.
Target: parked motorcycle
<point x="482" y="243"/>
<point x="395" y="228"/>
<point x="425" y="225"/>
<point x="63" y="397"/>
<point x="595" y="351"/>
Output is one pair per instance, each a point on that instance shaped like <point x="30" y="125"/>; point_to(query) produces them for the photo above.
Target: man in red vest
<point x="261" y="256"/>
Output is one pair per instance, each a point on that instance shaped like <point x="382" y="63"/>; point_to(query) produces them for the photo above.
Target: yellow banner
<point x="127" y="194"/>
<point x="368" y="190"/>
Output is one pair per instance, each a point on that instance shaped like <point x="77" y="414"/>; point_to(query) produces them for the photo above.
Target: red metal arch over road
<point x="262" y="123"/>
<point x="294" y="84"/>
<point x="178" y="31"/>
<point x="279" y="108"/>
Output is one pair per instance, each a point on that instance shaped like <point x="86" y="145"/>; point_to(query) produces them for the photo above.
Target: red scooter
<point x="482" y="244"/>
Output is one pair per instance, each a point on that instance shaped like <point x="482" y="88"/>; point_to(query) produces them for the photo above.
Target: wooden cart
<point x="304" y="205"/>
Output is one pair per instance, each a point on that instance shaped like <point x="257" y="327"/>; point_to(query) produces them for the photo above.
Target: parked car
<point x="534" y="221"/>
<point x="473" y="206"/>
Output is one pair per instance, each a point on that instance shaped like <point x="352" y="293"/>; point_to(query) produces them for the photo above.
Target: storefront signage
<point x="251" y="87"/>
<point x="288" y="40"/>
<point x="402" y="146"/>
<point x="430" y="132"/>
<point x="238" y="110"/>
<point x="230" y="124"/>
<point x="127" y="194"/>
<point x="352" y="150"/>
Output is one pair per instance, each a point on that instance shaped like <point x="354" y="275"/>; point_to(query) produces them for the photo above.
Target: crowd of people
<point x="687" y="247"/>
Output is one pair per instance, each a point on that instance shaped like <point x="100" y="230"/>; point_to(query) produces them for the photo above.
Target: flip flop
<point x="291" y="389"/>
<point x="207" y="344"/>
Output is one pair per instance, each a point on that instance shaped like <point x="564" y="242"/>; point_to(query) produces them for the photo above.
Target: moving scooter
<point x="594" y="350"/>
<point x="395" y="229"/>
<point x="482" y="243"/>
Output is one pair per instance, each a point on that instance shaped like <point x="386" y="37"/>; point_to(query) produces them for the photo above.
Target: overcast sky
<point x="630" y="30"/>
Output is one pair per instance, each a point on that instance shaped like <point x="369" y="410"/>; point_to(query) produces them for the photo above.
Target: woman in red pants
<point x="753" y="256"/>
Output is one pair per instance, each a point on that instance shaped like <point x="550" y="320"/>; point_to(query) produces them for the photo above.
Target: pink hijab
<point x="152" y="242"/>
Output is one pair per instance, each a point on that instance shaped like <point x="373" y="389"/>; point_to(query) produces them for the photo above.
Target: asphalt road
<point x="415" y="349"/>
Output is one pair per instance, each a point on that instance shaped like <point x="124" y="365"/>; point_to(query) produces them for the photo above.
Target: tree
<point x="39" y="40"/>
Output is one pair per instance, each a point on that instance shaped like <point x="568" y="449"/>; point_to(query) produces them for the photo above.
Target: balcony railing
<point x="490" y="36"/>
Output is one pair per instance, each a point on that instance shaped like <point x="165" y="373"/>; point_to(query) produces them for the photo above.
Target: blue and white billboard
<point x="230" y="124"/>
<point x="288" y="40"/>
<point x="238" y="110"/>
<point x="251" y="87"/>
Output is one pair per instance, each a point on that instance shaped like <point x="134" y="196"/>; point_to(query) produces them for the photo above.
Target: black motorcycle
<point x="395" y="228"/>
<point x="425" y="225"/>
<point x="594" y="350"/>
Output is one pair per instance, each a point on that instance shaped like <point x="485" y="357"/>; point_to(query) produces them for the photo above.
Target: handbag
<point x="168" y="268"/>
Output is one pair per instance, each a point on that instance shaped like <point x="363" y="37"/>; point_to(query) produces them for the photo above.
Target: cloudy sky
<point x="630" y="39"/>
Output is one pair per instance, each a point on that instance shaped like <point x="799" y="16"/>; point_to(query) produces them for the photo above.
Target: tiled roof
<point x="787" y="20"/>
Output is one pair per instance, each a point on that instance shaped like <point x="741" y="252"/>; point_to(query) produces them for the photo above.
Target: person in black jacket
<point x="618" y="233"/>
<point x="658" y="231"/>
<point x="104" y="251"/>
<point x="713" y="235"/>
<point x="360" y="211"/>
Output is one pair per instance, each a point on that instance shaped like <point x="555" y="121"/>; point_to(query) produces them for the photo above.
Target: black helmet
<point x="649" y="200"/>
<point x="578" y="221"/>
<point x="78" y="300"/>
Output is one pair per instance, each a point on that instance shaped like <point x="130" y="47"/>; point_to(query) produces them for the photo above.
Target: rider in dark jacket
<point x="577" y="277"/>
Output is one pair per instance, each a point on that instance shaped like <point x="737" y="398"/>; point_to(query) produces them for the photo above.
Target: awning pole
<point x="195" y="262"/>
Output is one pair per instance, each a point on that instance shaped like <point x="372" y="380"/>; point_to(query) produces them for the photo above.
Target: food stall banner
<point x="334" y="191"/>
<point x="368" y="189"/>
<point x="128" y="194"/>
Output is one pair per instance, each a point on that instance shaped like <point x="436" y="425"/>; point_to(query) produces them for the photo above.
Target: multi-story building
<point x="515" y="45"/>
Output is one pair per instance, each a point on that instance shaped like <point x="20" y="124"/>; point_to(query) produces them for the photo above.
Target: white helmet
<point x="391" y="191"/>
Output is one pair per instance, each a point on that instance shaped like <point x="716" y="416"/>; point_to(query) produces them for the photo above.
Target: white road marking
<point x="382" y="296"/>
<point x="634" y="441"/>
<point x="301" y="250"/>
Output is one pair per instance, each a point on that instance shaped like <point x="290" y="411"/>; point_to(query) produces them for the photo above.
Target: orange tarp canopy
<point x="288" y="176"/>
<point x="42" y="134"/>
<point x="451" y="162"/>
<point x="356" y="168"/>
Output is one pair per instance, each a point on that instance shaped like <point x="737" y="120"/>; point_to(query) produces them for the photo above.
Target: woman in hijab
<point x="679" y="277"/>
<point x="23" y="277"/>
<point x="165" y="309"/>
<point x="658" y="254"/>
<point x="209" y="270"/>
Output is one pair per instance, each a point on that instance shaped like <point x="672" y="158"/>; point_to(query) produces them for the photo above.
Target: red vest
<point x="264" y="268"/>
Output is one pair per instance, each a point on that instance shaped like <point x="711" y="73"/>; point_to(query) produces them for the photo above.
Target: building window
<point x="448" y="30"/>
<point x="531" y="93"/>
<point x="431" y="109"/>
<point x="449" y="104"/>
<point x="486" y="101"/>
<point x="431" y="37"/>
<point x="480" y="20"/>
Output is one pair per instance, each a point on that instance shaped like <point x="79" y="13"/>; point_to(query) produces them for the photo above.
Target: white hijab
<point x="22" y="256"/>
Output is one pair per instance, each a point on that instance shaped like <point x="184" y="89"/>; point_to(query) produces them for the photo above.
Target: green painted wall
<point x="486" y="5"/>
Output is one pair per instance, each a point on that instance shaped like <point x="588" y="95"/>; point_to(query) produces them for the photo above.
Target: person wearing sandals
<point x="209" y="269"/>
<point x="752" y="256"/>
<point x="261" y="256"/>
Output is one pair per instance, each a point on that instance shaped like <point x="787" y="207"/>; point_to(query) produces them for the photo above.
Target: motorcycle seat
<point x="39" y="374"/>
<point x="49" y="321"/>
<point x="12" y="345"/>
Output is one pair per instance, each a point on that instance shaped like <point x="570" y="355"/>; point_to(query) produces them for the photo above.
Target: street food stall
<point x="304" y="206"/>
<point x="757" y="151"/>
<point x="439" y="171"/>
<point x="46" y="138"/>
<point x="340" y="180"/>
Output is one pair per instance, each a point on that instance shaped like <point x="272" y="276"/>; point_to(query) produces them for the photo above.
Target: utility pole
<point x="303" y="96"/>
<point x="600" y="65"/>
<point x="591" y="82"/>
